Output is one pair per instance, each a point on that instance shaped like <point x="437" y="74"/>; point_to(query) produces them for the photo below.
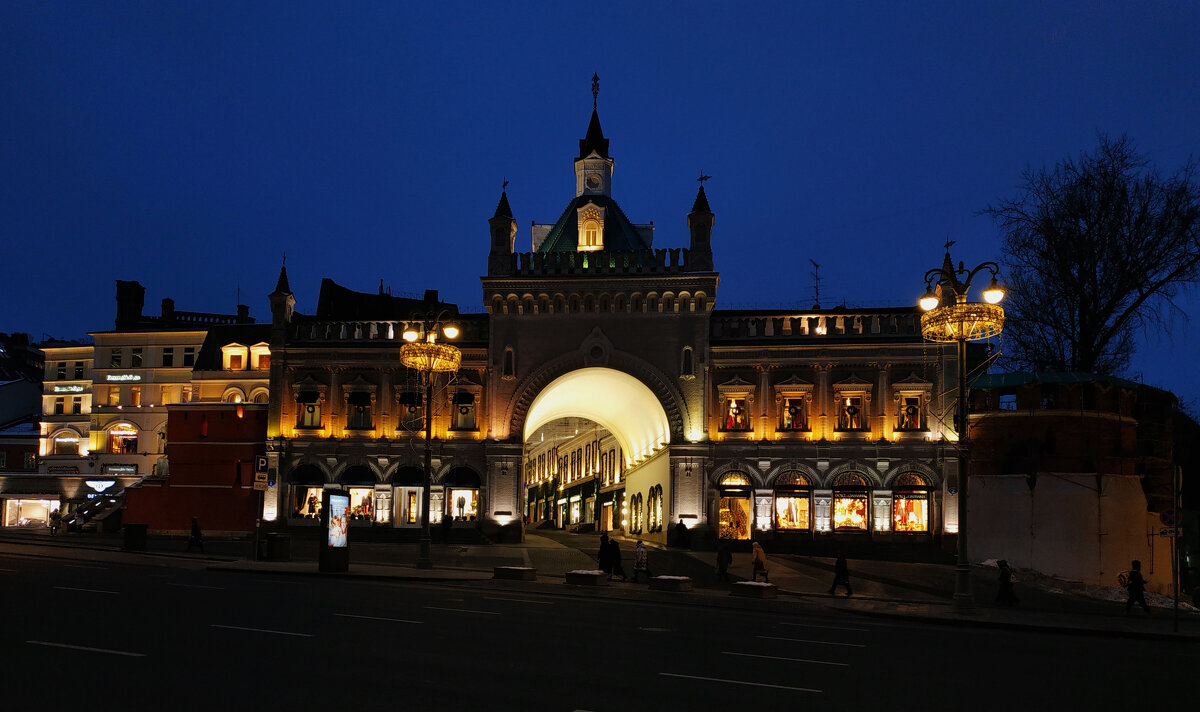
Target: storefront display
<point x="734" y="518"/>
<point x="910" y="513"/>
<point x="308" y="502"/>
<point x="361" y="503"/>
<point x="123" y="440"/>
<point x="464" y="504"/>
<point x="29" y="512"/>
<point x="850" y="511"/>
<point x="791" y="512"/>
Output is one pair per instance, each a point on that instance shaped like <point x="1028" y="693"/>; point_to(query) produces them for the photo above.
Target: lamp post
<point x="423" y="354"/>
<point x="949" y="317"/>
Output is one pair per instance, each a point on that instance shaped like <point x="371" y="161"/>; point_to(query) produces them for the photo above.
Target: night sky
<point x="188" y="145"/>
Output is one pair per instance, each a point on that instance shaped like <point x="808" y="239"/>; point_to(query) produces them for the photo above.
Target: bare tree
<point x="1095" y="249"/>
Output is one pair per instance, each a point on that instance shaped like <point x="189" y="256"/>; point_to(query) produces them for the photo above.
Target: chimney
<point x="131" y="297"/>
<point x="243" y="313"/>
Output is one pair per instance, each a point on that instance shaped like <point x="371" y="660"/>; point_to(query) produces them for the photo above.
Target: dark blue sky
<point x="189" y="144"/>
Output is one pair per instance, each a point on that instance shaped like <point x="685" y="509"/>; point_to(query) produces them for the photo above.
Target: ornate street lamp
<point x="949" y="317"/>
<point x="429" y="358"/>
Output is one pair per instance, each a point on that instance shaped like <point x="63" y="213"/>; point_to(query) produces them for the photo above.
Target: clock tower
<point x="593" y="167"/>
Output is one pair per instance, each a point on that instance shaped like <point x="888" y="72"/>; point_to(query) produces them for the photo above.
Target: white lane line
<point x="462" y="610"/>
<point x="739" y="682"/>
<point x="792" y="660"/>
<point x="290" y="583"/>
<point x="81" y="566"/>
<point x="519" y="600"/>
<point x="376" y="618"/>
<point x="89" y="590"/>
<point x="9" y="571"/>
<point x="820" y="642"/>
<point x="260" y="630"/>
<point x="90" y="650"/>
<point x="195" y="585"/>
<point x="830" y="627"/>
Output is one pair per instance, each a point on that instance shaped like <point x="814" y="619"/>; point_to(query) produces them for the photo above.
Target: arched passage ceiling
<point x="620" y="403"/>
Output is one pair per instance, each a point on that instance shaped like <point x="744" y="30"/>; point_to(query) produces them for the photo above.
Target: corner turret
<point x="700" y="225"/>
<point x="503" y="229"/>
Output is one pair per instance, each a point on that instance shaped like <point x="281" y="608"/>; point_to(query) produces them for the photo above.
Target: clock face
<point x="593" y="180"/>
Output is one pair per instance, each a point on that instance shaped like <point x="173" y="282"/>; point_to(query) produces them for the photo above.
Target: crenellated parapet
<point x="670" y="260"/>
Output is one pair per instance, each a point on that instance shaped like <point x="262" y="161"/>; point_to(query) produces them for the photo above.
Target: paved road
<point x="174" y="635"/>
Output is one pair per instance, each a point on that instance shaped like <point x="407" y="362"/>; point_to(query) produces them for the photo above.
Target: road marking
<point x="195" y="585"/>
<point x="520" y="600"/>
<point x="81" y="566"/>
<point x="91" y="650"/>
<point x="290" y="583"/>
<point x="463" y="610"/>
<point x="89" y="590"/>
<point x="656" y="630"/>
<point x="821" y="642"/>
<point x="9" y="571"/>
<point x="831" y="627"/>
<point x="739" y="682"/>
<point x="794" y="660"/>
<point x="260" y="630"/>
<point x="376" y="618"/>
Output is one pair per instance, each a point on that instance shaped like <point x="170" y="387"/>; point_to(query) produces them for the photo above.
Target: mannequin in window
<point x="735" y="419"/>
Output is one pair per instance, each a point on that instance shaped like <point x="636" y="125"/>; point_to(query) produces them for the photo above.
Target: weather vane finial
<point x="703" y="178"/>
<point x="504" y="186"/>
<point x="595" y="89"/>
<point x="949" y="244"/>
<point x="285" y="259"/>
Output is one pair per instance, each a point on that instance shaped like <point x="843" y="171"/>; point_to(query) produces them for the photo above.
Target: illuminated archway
<point x="620" y="403"/>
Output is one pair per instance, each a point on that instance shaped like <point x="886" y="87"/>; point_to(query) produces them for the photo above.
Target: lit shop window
<point x="308" y="502"/>
<point x="123" y="439"/>
<point x="910" y="504"/>
<point x="794" y="415"/>
<point x="34" y="513"/>
<point x="850" y="413"/>
<point x="135" y="396"/>
<point x="66" y="445"/>
<point x="851" y="496"/>
<point x="792" y="502"/>
<point x="463" y="504"/>
<point x="362" y="503"/>
<point x="735" y="415"/>
<point x="734" y="507"/>
<point x="412" y="508"/>
<point x="464" y="411"/>
<point x="114" y="395"/>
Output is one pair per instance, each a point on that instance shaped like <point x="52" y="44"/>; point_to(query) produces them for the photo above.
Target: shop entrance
<point x="734" y="507"/>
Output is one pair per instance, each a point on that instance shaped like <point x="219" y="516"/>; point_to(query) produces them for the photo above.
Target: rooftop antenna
<point x="595" y="89"/>
<point x="816" y="273"/>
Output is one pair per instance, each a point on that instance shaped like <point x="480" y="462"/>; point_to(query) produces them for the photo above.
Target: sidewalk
<point x="887" y="589"/>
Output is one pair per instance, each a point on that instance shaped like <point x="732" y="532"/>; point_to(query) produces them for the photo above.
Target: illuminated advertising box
<point x="339" y="510"/>
<point x="334" y="556"/>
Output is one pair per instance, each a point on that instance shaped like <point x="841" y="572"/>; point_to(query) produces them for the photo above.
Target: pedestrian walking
<point x="1004" y="589"/>
<point x="759" y="563"/>
<point x="841" y="576"/>
<point x="641" y="562"/>
<point x="196" y="538"/>
<point x="724" y="559"/>
<point x="55" y="522"/>
<point x="681" y="535"/>
<point x="604" y="556"/>
<point x="614" y="556"/>
<point x="1136" y="587"/>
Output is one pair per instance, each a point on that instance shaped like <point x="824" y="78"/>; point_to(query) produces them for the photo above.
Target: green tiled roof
<point x="619" y="232"/>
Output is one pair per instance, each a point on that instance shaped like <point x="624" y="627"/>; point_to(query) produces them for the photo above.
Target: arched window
<point x="910" y="503"/>
<point x="591" y="233"/>
<point x="793" y="506"/>
<point x="687" y="366"/>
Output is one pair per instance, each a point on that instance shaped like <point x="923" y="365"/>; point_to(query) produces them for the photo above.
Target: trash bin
<point x="279" y="547"/>
<point x="135" y="537"/>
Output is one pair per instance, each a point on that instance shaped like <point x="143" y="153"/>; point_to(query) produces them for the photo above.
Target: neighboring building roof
<point x="26" y="427"/>
<point x="619" y="233"/>
<point x="338" y="302"/>
<point x="1012" y="380"/>
<point x="209" y="357"/>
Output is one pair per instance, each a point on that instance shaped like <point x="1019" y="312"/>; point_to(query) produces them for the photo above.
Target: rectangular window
<point x="910" y="513"/>
<point x="114" y="358"/>
<point x="185" y="394"/>
<point x="464" y="411"/>
<point x="411" y="414"/>
<point x="310" y="411"/>
<point x="136" y="361"/>
<point x="791" y="512"/>
<point x="30" y="461"/>
<point x="264" y="362"/>
<point x="850" y="511"/>
<point x="794" y="415"/>
<point x="58" y="405"/>
<point x="168" y="357"/>
<point x="61" y="372"/>
<point x="736" y="417"/>
<point x="78" y="370"/>
<point x="1007" y="401"/>
<point x="358" y="416"/>
<point x="850" y="413"/>
<point x="909" y="417"/>
<point x="76" y="405"/>
<point x="114" y="395"/>
<point x="189" y="356"/>
<point x="235" y="362"/>
<point x="135" y="396"/>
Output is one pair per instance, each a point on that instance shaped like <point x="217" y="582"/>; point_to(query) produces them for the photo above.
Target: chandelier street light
<point x="949" y="317"/>
<point x="425" y="355"/>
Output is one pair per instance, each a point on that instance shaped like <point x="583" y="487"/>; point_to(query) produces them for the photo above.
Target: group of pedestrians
<point x="609" y="558"/>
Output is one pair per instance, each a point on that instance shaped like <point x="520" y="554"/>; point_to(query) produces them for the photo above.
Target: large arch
<point x="620" y="403"/>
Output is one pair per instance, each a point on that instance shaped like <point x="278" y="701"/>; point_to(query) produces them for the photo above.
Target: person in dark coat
<point x="724" y="560"/>
<point x="1136" y="587"/>
<point x="614" y="555"/>
<point x="841" y="576"/>
<point x="196" y="538"/>
<point x="603" y="556"/>
<point x="1004" y="591"/>
<point x="681" y="535"/>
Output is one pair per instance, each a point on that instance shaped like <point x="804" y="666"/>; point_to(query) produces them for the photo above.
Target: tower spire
<point x="595" y="89"/>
